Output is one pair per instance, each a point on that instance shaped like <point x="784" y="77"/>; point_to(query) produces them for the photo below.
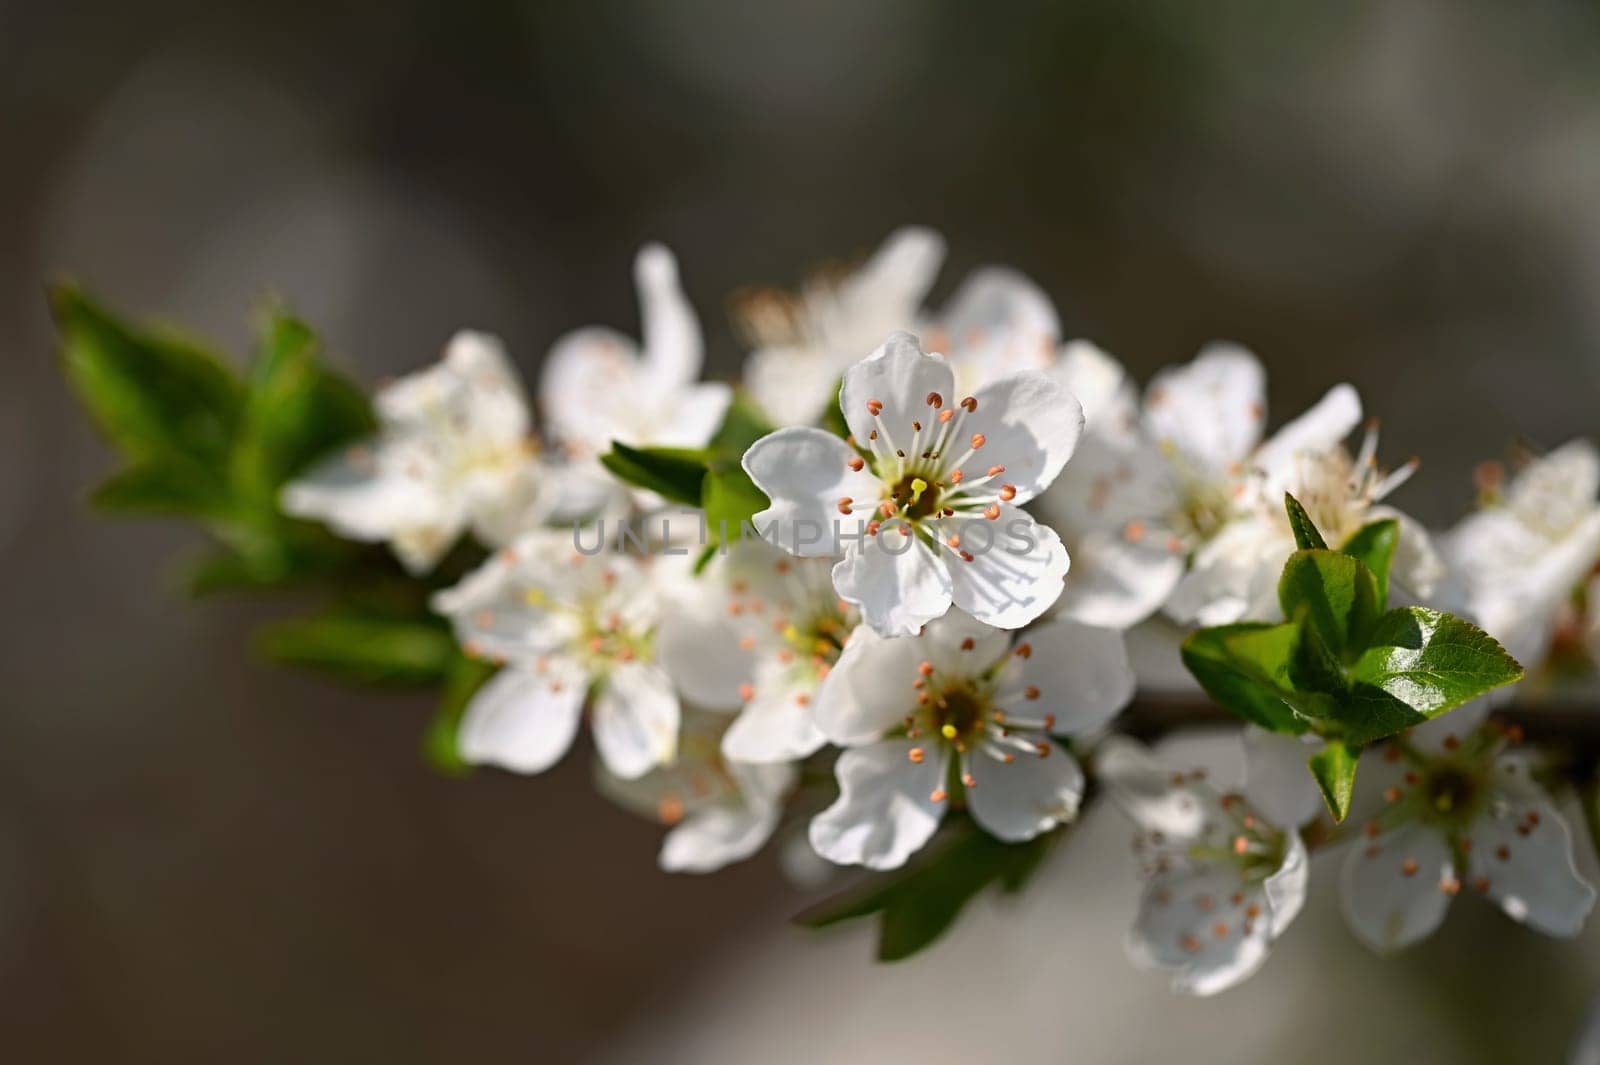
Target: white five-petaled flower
<point x="598" y="386"/>
<point x="996" y="323"/>
<point x="719" y="811"/>
<point x="571" y="629"/>
<point x="1195" y="479"/>
<point x="1517" y="560"/>
<point x="757" y="633"/>
<point x="1459" y="811"/>
<point x="926" y="506"/>
<point x="960" y="715"/>
<point x="454" y="452"/>
<point x="1222" y="881"/>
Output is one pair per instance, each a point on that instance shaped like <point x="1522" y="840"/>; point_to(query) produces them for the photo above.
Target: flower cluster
<point x="916" y="539"/>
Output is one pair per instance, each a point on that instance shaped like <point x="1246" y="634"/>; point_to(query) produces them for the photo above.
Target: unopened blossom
<point x="599" y="386"/>
<point x="1517" y="560"/>
<point x="718" y="810"/>
<point x="961" y="715"/>
<point x="572" y="630"/>
<point x="924" y="501"/>
<point x="1460" y="813"/>
<point x="757" y="633"/>
<point x="453" y="453"/>
<point x="996" y="323"/>
<point x="1222" y="881"/>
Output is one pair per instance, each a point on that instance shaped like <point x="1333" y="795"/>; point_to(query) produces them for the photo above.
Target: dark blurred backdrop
<point x="201" y="858"/>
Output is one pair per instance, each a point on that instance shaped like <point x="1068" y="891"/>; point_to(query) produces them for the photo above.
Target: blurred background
<point x="201" y="858"/>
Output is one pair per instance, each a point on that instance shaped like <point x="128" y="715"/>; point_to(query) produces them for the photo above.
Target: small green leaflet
<point x="1334" y="769"/>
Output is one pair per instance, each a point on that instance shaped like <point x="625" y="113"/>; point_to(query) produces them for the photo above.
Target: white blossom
<point x="926" y="506"/>
<point x="961" y="715"/>
<point x="1460" y="811"/>
<point x="598" y="386"/>
<point x="718" y="810"/>
<point x="454" y="452"/>
<point x="997" y="322"/>
<point x="1518" y="559"/>
<point x="572" y="630"/>
<point x="1222" y="881"/>
<point x="756" y="634"/>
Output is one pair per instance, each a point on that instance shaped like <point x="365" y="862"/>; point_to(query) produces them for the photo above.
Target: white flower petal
<point x="998" y="322"/>
<point x="1015" y="801"/>
<point x="869" y="689"/>
<point x="779" y="723"/>
<point x="709" y="839"/>
<point x="792" y="385"/>
<point x="892" y="283"/>
<point x="673" y="347"/>
<point x="700" y="651"/>
<point x="635" y="719"/>
<point x="899" y="375"/>
<point x="1016" y="579"/>
<point x="1146" y="790"/>
<point x="1194" y="922"/>
<point x="1524" y="852"/>
<point x="1286" y="888"/>
<point x="1277" y="781"/>
<point x="1116" y="582"/>
<point x="1391" y="886"/>
<point x="361" y="496"/>
<point x="522" y="720"/>
<point x="1076" y="672"/>
<point x="805" y="473"/>
<point x="1030" y="424"/>
<point x="583" y="377"/>
<point x="693" y="416"/>
<point x="884" y="812"/>
<point x="1234" y="576"/>
<point x="1104" y="390"/>
<point x="1319" y="429"/>
<point x="1211" y="410"/>
<point x="961" y="644"/>
<point x="897" y="581"/>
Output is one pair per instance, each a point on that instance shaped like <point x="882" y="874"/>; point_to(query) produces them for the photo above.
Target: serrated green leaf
<point x="919" y="903"/>
<point x="1334" y="770"/>
<point x="1306" y="536"/>
<point x="366" y="650"/>
<point x="462" y="681"/>
<point x="152" y="395"/>
<point x="1244" y="667"/>
<point x="1374" y="545"/>
<point x="1333" y="593"/>
<point x="675" y="474"/>
<point x="1419" y="664"/>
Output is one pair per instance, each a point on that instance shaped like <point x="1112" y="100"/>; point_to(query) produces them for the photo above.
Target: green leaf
<point x="1333" y="593"/>
<point x="742" y="426"/>
<point x="1419" y="664"/>
<point x="295" y="411"/>
<point x="918" y="903"/>
<point x="1245" y="668"/>
<point x="675" y="474"/>
<point x="363" y="649"/>
<point x="152" y="396"/>
<point x="462" y="681"/>
<point x="169" y="486"/>
<point x="731" y="498"/>
<point x="1306" y="536"/>
<point x="1334" y="769"/>
<point x="1374" y="544"/>
<point x="833" y="416"/>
